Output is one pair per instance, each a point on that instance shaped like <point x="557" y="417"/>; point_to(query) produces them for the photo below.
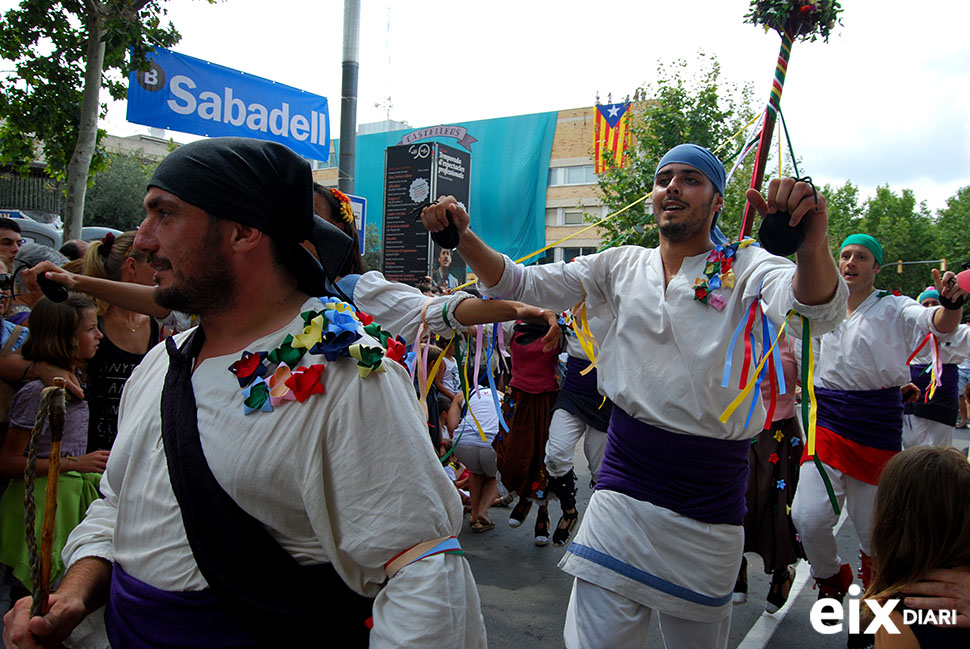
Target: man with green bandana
<point x="861" y="366"/>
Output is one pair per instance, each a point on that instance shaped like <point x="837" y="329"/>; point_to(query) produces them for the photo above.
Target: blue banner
<point x="182" y="93"/>
<point x="508" y="181"/>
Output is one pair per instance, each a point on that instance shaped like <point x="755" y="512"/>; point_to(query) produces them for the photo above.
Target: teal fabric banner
<point x="509" y="172"/>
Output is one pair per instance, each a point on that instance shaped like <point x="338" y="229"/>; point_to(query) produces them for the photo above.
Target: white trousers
<point x="597" y="618"/>
<point x="918" y="431"/>
<point x="565" y="429"/>
<point x="815" y="519"/>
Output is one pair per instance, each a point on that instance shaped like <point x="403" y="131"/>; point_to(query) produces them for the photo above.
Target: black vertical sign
<point x="452" y="177"/>
<point x="407" y="183"/>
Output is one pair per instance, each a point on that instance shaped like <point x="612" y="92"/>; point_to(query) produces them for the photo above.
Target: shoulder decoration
<point x="718" y="274"/>
<point x="268" y="378"/>
<point x="882" y="294"/>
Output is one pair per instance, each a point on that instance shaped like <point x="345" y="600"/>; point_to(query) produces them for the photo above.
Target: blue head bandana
<point x="930" y="292"/>
<point x="708" y="164"/>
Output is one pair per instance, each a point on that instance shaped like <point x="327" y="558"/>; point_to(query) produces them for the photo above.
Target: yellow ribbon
<point x="311" y="335"/>
<point x="468" y="350"/>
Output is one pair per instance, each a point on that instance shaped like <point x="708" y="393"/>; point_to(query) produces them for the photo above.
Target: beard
<point x="211" y="286"/>
<point x="685" y="229"/>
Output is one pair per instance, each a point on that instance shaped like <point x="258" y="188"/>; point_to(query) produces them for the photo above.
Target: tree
<point x="373" y="248"/>
<point x="683" y="105"/>
<point x="63" y="52"/>
<point x="906" y="232"/>
<point x="115" y="197"/>
<point x="953" y="230"/>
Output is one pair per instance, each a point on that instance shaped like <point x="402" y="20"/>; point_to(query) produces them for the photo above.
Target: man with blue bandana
<point x="663" y="529"/>
<point x="930" y="421"/>
<point x="862" y="365"/>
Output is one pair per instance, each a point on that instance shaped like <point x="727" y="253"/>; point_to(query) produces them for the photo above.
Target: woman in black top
<point x="128" y="335"/>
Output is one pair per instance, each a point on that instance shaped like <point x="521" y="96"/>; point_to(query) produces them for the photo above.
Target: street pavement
<point x="524" y="594"/>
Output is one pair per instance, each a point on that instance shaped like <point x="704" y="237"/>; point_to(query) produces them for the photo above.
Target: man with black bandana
<point x="662" y="531"/>
<point x="256" y="498"/>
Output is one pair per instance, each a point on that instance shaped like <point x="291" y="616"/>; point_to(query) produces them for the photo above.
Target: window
<point x="572" y="217"/>
<point x="568" y="254"/>
<point x="578" y="175"/>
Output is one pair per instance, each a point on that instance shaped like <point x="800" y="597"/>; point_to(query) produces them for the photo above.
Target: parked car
<point x="96" y="232"/>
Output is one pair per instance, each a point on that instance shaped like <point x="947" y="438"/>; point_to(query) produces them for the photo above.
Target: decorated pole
<point x="792" y="19"/>
<point x="764" y="142"/>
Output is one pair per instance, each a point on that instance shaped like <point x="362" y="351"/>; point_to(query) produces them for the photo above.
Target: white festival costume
<point x="661" y="362"/>
<point x="325" y="477"/>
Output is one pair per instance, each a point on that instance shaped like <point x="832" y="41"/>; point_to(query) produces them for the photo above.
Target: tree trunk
<point x="87" y="136"/>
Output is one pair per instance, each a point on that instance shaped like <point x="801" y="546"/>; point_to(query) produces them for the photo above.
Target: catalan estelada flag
<point x="612" y="134"/>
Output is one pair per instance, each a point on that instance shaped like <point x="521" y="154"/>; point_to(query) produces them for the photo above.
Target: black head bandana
<point x="262" y="185"/>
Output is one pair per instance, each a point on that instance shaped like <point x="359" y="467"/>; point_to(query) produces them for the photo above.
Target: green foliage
<point x="682" y="105"/>
<point x="953" y="230"/>
<point x="373" y="248"/>
<point x="115" y="197"/>
<point x="906" y="230"/>
<point x="46" y="41"/>
<point x="802" y="19"/>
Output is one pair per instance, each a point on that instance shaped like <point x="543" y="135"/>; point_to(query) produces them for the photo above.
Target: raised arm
<point x="816" y="274"/>
<point x="487" y="264"/>
<point x="127" y="295"/>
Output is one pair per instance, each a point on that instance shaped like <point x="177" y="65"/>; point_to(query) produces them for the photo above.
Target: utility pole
<point x="348" y="99"/>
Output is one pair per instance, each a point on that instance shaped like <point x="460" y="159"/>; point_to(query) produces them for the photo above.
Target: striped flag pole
<point x="764" y="143"/>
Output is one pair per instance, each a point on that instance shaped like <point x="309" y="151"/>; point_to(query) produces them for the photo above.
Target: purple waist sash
<point x="950" y="378"/>
<point x="139" y="616"/>
<point x="699" y="477"/>
<point x="868" y="417"/>
<point x="575" y="381"/>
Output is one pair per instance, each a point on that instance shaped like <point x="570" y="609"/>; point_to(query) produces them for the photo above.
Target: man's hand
<point x="528" y="313"/>
<point x="53" y="272"/>
<point x="47" y="373"/>
<point x="910" y="392"/>
<point x="435" y="217"/>
<point x="946" y="285"/>
<point x="945" y="590"/>
<point x="20" y="631"/>
<point x="798" y="199"/>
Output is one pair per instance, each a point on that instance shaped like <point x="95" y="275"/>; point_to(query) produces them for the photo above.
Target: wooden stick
<point x="57" y="415"/>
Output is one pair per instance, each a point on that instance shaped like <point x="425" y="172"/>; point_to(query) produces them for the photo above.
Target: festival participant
<point x="922" y="529"/>
<point x="663" y="529"/>
<point x="861" y="367"/>
<point x="290" y="523"/>
<point x="520" y="451"/>
<point x="930" y="421"/>
<point x="580" y="412"/>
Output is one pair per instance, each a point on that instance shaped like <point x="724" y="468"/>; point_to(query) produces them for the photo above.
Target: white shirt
<point x="868" y="351"/>
<point x="346" y="478"/>
<point x="662" y="355"/>
<point x="661" y="360"/>
<point x="398" y="307"/>
<point x="482" y="404"/>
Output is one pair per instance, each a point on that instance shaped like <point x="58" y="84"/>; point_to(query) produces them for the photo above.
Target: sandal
<point x="520" y="512"/>
<point x="778" y="590"/>
<point x="565" y="527"/>
<point x="482" y="526"/>
<point x="542" y="527"/>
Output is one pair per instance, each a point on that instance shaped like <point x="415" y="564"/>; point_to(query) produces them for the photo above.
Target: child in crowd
<point x="66" y="335"/>
<point x="921" y="524"/>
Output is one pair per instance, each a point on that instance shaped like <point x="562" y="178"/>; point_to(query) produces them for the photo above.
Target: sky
<point x="885" y="102"/>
